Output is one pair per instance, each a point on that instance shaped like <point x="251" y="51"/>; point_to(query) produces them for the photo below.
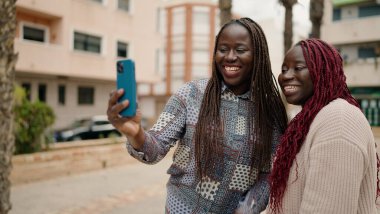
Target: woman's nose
<point x="289" y="74"/>
<point x="231" y="56"/>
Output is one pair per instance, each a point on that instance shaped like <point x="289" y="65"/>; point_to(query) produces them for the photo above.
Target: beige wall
<point x="352" y="30"/>
<point x="347" y="34"/>
<point x="138" y="28"/>
<point x="71" y="110"/>
<point x="56" y="62"/>
<point x="363" y="73"/>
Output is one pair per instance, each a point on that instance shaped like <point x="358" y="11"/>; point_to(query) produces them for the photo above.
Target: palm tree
<point x="288" y="27"/>
<point x="7" y="69"/>
<point x="316" y="15"/>
<point x="225" y="11"/>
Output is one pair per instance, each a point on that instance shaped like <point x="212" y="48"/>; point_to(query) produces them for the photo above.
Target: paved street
<point x="135" y="188"/>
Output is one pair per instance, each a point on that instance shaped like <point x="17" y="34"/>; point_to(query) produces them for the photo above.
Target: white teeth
<point x="231" y="68"/>
<point x="290" y="88"/>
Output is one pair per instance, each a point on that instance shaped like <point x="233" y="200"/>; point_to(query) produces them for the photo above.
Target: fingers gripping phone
<point x="127" y="81"/>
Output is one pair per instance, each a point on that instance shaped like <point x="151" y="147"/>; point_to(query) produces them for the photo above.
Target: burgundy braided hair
<point x="329" y="82"/>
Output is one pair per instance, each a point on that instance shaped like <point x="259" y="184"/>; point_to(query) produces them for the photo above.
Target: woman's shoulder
<point x="340" y="108"/>
<point x="340" y="119"/>
<point x="194" y="86"/>
<point x="200" y="84"/>
<point x="192" y="90"/>
<point x="341" y="126"/>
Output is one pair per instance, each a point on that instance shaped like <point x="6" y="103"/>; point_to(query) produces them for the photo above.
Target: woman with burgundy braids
<point x="225" y="129"/>
<point x="326" y="162"/>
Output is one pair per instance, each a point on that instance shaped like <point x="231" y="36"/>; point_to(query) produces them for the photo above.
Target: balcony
<point x="42" y="58"/>
<point x="352" y="31"/>
<point x="50" y="59"/>
<point x="57" y="60"/>
<point x="363" y="72"/>
<point x="46" y="8"/>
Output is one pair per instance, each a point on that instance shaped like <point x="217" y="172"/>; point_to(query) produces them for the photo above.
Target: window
<point x="61" y="94"/>
<point x="101" y="122"/>
<point x="369" y="100"/>
<point x="37" y="34"/>
<point x="123" y="5"/>
<point x="369" y="10"/>
<point x="366" y="52"/>
<point x="122" y="49"/>
<point x="157" y="61"/>
<point x="42" y="92"/>
<point x="371" y="109"/>
<point x="27" y="88"/>
<point x="337" y="14"/>
<point x="86" y="42"/>
<point x="85" y="95"/>
<point x="158" y="19"/>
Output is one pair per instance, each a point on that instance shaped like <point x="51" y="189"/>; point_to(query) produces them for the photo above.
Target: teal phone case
<point x="126" y="80"/>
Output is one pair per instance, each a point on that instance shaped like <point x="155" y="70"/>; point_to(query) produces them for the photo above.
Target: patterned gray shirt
<point x="222" y="191"/>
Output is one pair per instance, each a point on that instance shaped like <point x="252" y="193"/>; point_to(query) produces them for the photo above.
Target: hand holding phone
<point x="127" y="81"/>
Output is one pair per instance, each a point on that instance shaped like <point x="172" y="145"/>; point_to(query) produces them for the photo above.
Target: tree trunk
<point x="7" y="69"/>
<point x="288" y="28"/>
<point x="316" y="15"/>
<point x="225" y="11"/>
<point x="288" y="25"/>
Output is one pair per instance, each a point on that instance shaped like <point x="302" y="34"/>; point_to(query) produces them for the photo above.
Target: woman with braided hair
<point x="226" y="129"/>
<point x="326" y="162"/>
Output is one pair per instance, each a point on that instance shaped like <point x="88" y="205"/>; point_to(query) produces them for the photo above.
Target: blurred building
<point x="353" y="26"/>
<point x="188" y="28"/>
<point x="68" y="49"/>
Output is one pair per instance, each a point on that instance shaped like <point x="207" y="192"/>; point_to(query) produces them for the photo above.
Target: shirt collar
<point x="226" y="90"/>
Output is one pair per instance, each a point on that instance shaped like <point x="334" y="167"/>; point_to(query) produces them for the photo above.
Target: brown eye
<point x="299" y="68"/>
<point x="240" y="51"/>
<point x="284" y="69"/>
<point x="223" y="49"/>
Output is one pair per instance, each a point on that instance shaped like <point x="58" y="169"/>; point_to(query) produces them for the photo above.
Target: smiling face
<point x="295" y="80"/>
<point x="234" y="58"/>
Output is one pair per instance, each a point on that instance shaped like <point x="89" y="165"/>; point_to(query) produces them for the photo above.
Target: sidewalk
<point x="131" y="188"/>
<point x="134" y="188"/>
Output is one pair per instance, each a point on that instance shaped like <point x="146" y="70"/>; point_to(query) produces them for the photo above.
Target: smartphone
<point x="127" y="81"/>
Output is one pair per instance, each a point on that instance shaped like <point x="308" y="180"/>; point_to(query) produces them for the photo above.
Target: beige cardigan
<point x="336" y="165"/>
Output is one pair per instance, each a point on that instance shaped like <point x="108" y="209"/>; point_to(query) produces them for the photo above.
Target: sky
<point x="272" y="9"/>
<point x="258" y="9"/>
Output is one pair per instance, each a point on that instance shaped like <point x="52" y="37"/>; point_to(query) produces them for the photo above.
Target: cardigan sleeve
<point x="337" y="164"/>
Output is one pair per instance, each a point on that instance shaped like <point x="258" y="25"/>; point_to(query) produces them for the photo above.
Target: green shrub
<point x="31" y="123"/>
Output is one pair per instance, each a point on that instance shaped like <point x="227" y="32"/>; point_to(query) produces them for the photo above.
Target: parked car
<point x="87" y="128"/>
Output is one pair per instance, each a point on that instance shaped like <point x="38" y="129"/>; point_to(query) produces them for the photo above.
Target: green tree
<point x="316" y="15"/>
<point x="225" y="11"/>
<point x="8" y="60"/>
<point x="288" y="27"/>
<point x="31" y="122"/>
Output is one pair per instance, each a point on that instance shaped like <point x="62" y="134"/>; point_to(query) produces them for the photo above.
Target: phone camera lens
<point x="119" y="67"/>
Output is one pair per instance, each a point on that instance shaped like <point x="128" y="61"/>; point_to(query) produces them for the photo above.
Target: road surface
<point x="134" y="188"/>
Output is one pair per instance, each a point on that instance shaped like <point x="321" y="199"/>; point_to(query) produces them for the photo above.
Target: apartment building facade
<point x="188" y="28"/>
<point x="353" y="26"/>
<point x="68" y="49"/>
